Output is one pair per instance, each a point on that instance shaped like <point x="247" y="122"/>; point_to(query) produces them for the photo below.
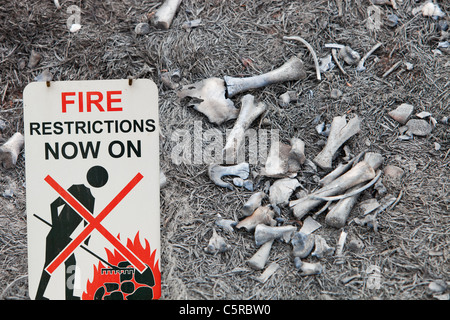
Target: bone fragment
<point x="226" y="224"/>
<point x="250" y="110"/>
<point x="216" y="244"/>
<point x="360" y="173"/>
<point x="164" y="15"/>
<point x="216" y="172"/>
<point x="287" y="97"/>
<point x="349" y="55"/>
<point x="281" y="190"/>
<point x="391" y="2"/>
<point x="9" y="151"/>
<point x="264" y="233"/>
<point x="259" y="259"/>
<point x="311" y="50"/>
<point x="284" y="159"/>
<point x="307" y="268"/>
<point x="293" y="69"/>
<point x="35" y="58"/>
<point x="401" y="113"/>
<point x="369" y="205"/>
<point x="270" y="270"/>
<point x="340" y="132"/>
<point x="209" y="98"/>
<point x="341" y="243"/>
<point x="253" y="202"/>
<point x="321" y="248"/>
<point x="309" y="226"/>
<point x="361" y="66"/>
<point x="302" y="244"/>
<point x="262" y="215"/>
<point x="162" y="179"/>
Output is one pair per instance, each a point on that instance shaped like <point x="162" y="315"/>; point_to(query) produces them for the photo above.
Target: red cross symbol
<point x="94" y="223"/>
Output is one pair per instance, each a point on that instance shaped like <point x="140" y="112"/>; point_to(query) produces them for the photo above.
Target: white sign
<point x="92" y="178"/>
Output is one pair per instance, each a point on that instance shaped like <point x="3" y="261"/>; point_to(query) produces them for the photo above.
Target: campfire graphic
<point x="119" y="280"/>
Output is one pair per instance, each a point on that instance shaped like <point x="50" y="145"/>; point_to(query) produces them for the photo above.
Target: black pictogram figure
<point x="65" y="223"/>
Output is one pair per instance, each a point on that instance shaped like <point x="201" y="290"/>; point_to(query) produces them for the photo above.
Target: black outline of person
<point x="65" y="223"/>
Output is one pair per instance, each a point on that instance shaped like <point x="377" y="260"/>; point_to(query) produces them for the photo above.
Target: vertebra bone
<point x="291" y="70"/>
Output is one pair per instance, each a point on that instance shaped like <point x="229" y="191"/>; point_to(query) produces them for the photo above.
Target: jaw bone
<point x="209" y="98"/>
<point x="10" y="150"/>
<point x="248" y="113"/>
<point x="292" y="69"/>
<point x="340" y="132"/>
<point x="216" y="172"/>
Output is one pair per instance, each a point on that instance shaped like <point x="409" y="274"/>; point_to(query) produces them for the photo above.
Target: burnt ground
<point x="244" y="38"/>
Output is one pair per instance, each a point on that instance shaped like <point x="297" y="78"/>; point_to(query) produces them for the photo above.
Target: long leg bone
<point x="264" y="233"/>
<point x="262" y="215"/>
<point x="216" y="172"/>
<point x="248" y="113"/>
<point x="10" y="150"/>
<point x="360" y="173"/>
<point x="209" y="98"/>
<point x="337" y="216"/>
<point x="164" y="15"/>
<point x="340" y="132"/>
<point x="291" y="70"/>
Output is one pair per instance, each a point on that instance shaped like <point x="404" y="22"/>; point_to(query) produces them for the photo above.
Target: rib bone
<point x="216" y="172"/>
<point x="340" y="132"/>
<point x="209" y="99"/>
<point x="360" y="173"/>
<point x="164" y="15"/>
<point x="248" y="113"/>
<point x="10" y="150"/>
<point x="291" y="70"/>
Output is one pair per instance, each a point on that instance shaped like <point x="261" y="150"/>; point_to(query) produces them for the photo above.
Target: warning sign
<point x="92" y="172"/>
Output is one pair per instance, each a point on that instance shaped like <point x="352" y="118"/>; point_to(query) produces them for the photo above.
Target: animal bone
<point x="338" y="215"/>
<point x="253" y="202"/>
<point x="339" y="170"/>
<point x="287" y="97"/>
<point x="360" y="173"/>
<point x="311" y="50"/>
<point x="321" y="248"/>
<point x="401" y="113"/>
<point x="264" y="233"/>
<point x="270" y="270"/>
<point x="361" y="66"/>
<point x="341" y="243"/>
<point x="281" y="190"/>
<point x="248" y="113"/>
<point x="349" y="55"/>
<point x="162" y="179"/>
<point x="225" y="224"/>
<point x="309" y="226"/>
<point x="340" y="132"/>
<point x="307" y="268"/>
<point x="262" y="215"/>
<point x="10" y="150"/>
<point x="259" y="259"/>
<point x="216" y="172"/>
<point x="216" y="244"/>
<point x="291" y="70"/>
<point x="164" y="15"/>
<point x="209" y="99"/>
<point x="284" y="159"/>
<point x="391" y="2"/>
<point x="302" y="244"/>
